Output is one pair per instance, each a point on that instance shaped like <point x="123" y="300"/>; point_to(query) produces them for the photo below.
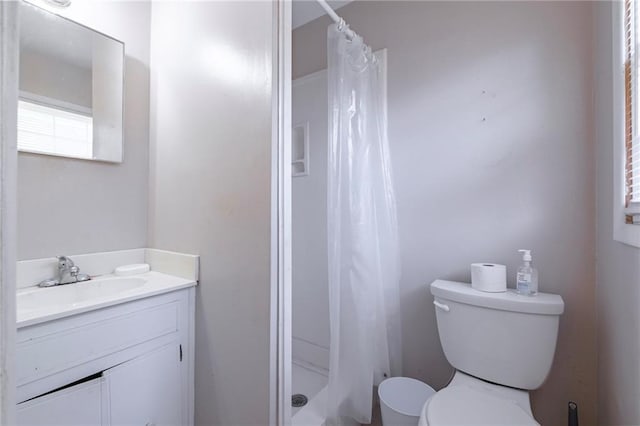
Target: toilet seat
<point x="463" y="405"/>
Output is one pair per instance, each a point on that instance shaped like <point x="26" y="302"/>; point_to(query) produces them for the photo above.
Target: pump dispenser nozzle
<point x="526" y="255"/>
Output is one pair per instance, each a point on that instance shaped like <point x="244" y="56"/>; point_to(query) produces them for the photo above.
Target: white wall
<point x="618" y="265"/>
<point x="490" y="126"/>
<point x="210" y="189"/>
<point x="310" y="286"/>
<point x="69" y="206"/>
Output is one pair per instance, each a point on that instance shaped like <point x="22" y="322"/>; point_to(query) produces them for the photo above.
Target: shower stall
<point x="345" y="330"/>
<point x="310" y="290"/>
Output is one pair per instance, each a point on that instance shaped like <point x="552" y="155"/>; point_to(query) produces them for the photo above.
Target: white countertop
<point x="36" y="305"/>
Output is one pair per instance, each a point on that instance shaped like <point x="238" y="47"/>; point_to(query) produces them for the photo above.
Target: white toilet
<point x="501" y="345"/>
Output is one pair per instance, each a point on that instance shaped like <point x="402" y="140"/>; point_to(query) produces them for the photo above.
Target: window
<point x="53" y="130"/>
<point x="626" y="114"/>
<point x="631" y="113"/>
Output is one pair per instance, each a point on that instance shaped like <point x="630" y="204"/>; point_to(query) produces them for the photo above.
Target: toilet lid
<point x="462" y="405"/>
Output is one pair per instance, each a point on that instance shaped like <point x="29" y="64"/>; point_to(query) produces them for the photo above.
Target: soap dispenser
<point x="527" y="277"/>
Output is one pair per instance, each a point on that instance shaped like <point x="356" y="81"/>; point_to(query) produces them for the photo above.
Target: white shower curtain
<point x="362" y="233"/>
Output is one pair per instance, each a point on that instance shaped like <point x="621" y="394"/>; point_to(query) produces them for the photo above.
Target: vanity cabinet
<point x="127" y="364"/>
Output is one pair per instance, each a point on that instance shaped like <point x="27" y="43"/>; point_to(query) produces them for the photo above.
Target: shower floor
<point x="308" y="381"/>
<point x="312" y="382"/>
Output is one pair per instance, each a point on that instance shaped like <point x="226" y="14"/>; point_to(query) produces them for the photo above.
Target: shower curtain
<point x="362" y="233"/>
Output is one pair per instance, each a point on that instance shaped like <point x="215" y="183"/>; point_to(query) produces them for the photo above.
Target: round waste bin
<point x="402" y="399"/>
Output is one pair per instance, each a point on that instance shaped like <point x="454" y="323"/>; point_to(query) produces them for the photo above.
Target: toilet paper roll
<point x="489" y="277"/>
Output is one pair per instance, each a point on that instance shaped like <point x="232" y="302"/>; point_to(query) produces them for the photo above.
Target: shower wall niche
<point x="300" y="150"/>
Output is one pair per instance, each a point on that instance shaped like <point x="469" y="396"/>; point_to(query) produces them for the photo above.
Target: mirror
<point x="71" y="88"/>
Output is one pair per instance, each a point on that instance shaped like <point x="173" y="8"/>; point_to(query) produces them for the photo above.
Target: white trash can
<point x="402" y="399"/>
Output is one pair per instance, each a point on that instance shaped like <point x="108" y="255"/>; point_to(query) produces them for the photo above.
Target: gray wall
<point x="210" y="189"/>
<point x="69" y="206"/>
<point x="52" y="77"/>
<point x="618" y="265"/>
<point x="490" y="125"/>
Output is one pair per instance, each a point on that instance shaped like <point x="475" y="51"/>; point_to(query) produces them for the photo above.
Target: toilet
<point x="501" y="345"/>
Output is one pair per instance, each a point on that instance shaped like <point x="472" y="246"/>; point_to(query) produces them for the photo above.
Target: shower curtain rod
<point x="336" y="18"/>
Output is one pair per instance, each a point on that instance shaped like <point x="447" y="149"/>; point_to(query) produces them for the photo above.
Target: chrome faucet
<point x="68" y="273"/>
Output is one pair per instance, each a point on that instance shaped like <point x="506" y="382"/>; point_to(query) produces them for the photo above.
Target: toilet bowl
<point x="471" y="401"/>
<point x="501" y="345"/>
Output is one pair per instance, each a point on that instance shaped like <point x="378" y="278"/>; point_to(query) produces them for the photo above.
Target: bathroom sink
<point x="36" y="304"/>
<point x="77" y="293"/>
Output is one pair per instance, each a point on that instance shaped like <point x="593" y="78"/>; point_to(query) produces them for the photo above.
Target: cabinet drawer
<point x="80" y="405"/>
<point x="87" y="340"/>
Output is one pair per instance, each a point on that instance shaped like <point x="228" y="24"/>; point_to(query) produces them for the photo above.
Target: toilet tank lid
<point x="542" y="303"/>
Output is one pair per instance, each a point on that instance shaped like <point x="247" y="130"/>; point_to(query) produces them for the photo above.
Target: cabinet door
<point x="76" y="405"/>
<point x="146" y="390"/>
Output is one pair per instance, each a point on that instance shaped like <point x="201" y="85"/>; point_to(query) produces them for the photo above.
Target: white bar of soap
<point x="135" y="269"/>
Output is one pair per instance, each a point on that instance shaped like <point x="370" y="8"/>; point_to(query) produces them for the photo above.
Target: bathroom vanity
<point x="110" y="351"/>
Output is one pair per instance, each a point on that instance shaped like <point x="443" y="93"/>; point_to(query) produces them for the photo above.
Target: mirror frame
<point x="9" y="46"/>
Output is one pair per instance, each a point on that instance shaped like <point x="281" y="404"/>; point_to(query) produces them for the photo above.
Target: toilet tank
<point x="504" y="338"/>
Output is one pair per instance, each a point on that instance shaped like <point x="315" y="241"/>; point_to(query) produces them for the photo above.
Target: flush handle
<point x="441" y="306"/>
